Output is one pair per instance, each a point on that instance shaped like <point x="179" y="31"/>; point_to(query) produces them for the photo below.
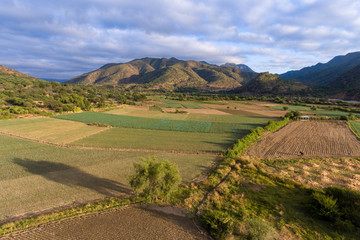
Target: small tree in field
<point x="154" y="180"/>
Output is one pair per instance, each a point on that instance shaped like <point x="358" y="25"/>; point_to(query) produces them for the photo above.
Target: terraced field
<point x="308" y="138"/>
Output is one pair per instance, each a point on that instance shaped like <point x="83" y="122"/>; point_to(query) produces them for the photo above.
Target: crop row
<point x="155" y="124"/>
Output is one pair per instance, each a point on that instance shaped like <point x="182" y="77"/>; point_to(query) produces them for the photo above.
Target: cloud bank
<point x="62" y="39"/>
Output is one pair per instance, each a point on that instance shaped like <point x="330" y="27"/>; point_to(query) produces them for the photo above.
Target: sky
<point x="61" y="39"/>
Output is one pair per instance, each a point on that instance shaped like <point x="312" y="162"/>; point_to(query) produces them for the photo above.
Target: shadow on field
<point x="72" y="176"/>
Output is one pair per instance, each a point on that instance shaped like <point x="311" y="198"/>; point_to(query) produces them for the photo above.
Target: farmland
<point x="48" y="129"/>
<point x="298" y="139"/>
<point x="37" y="177"/>
<point x="167" y="124"/>
<point x="356" y="126"/>
<point x="130" y="138"/>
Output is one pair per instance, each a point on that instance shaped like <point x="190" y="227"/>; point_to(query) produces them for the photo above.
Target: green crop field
<point x="356" y="126"/>
<point x="48" y="129"/>
<point x="329" y="113"/>
<point x="292" y="108"/>
<point x="35" y="176"/>
<point x="160" y="140"/>
<point x="166" y="124"/>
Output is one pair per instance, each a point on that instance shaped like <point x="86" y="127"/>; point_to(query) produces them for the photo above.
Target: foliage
<point x="293" y="114"/>
<point x="22" y="95"/>
<point x="155" y="180"/>
<point x="325" y="205"/>
<point x="218" y="223"/>
<point x="258" y="229"/>
<point x="99" y="124"/>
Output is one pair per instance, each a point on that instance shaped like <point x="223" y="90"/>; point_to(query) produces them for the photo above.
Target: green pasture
<point x="48" y="129"/>
<point x="166" y="124"/>
<point x="329" y="113"/>
<point x="356" y="126"/>
<point x="160" y="140"/>
<point x="36" y="177"/>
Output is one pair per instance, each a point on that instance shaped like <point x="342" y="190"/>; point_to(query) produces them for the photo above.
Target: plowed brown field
<point x="307" y="138"/>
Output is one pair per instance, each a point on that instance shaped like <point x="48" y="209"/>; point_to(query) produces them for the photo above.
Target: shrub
<point x="325" y="205"/>
<point x="218" y="223"/>
<point x="259" y="230"/>
<point x="155" y="180"/>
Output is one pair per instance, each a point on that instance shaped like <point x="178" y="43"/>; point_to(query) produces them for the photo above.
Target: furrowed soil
<point x="307" y="139"/>
<point x="135" y="222"/>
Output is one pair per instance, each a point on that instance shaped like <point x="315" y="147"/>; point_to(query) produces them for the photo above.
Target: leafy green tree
<point x="155" y="180"/>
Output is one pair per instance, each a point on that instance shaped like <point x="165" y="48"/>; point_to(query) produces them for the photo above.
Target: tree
<point x="154" y="180"/>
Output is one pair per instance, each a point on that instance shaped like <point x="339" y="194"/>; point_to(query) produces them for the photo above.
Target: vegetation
<point x="355" y="126"/>
<point x="162" y="140"/>
<point x="155" y="180"/>
<point x="158" y="124"/>
<point x="20" y="95"/>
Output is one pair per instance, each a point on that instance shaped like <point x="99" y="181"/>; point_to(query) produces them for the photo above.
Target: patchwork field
<point x="307" y="139"/>
<point x="219" y="126"/>
<point x="36" y="177"/>
<point x="48" y="129"/>
<point x="130" y="138"/>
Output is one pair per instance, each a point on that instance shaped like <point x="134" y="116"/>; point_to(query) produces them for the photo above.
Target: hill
<point x="166" y="75"/>
<point x="242" y="67"/>
<point x="8" y="71"/>
<point x="324" y="73"/>
<point x="347" y="85"/>
<point x="266" y="83"/>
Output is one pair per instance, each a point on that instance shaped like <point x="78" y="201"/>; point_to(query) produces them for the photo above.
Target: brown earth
<point x="307" y="139"/>
<point x="248" y="110"/>
<point x="135" y="222"/>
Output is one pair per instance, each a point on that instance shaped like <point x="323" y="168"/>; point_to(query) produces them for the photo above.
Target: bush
<point x="218" y="223"/>
<point x="259" y="230"/>
<point x="155" y="180"/>
<point x="325" y="205"/>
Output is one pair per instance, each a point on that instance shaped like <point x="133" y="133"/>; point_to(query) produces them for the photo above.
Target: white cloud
<point x="70" y="37"/>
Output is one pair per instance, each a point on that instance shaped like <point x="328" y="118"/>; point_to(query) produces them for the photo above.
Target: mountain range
<point x="338" y="78"/>
<point x="167" y="75"/>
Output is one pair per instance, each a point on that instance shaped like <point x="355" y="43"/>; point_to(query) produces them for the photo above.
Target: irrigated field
<point x="167" y="124"/>
<point x="35" y="177"/>
<point x="131" y="138"/>
<point x="308" y="138"/>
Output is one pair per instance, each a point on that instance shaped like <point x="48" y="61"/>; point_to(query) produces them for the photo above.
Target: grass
<point x="35" y="176"/>
<point x="356" y="127"/>
<point x="167" y="124"/>
<point x="48" y="129"/>
<point x="291" y="108"/>
<point x="160" y="140"/>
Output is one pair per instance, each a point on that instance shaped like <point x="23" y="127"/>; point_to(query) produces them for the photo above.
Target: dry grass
<point x="319" y="173"/>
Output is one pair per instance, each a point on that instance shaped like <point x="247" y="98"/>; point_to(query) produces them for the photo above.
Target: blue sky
<point x="62" y="39"/>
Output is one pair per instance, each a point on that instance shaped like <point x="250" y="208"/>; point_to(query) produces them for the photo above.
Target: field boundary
<point x="108" y="149"/>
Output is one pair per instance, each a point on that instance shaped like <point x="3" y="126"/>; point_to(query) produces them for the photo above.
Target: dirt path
<point x="109" y="149"/>
<point x="308" y="139"/>
<point x="133" y="222"/>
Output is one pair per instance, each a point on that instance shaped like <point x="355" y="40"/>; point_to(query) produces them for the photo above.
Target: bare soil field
<point x="248" y="110"/>
<point x="134" y="222"/>
<point x="307" y="139"/>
